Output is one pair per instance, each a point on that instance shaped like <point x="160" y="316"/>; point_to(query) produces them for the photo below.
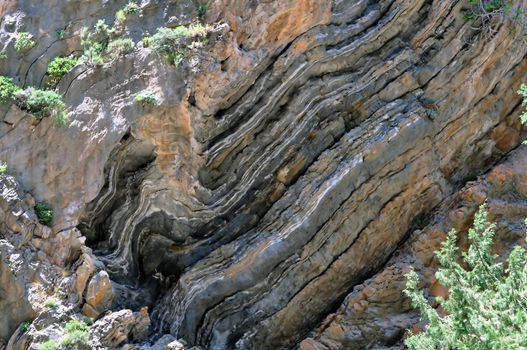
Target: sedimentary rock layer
<point x="285" y="162"/>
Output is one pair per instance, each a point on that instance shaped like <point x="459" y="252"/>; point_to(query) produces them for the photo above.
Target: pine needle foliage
<point x="487" y="304"/>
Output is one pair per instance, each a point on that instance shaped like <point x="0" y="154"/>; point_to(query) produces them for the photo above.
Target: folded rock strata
<point x="284" y="163"/>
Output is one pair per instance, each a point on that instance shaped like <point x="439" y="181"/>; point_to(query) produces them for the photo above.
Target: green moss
<point x="44" y="213"/>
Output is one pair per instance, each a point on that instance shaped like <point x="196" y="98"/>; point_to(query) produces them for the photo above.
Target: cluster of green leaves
<point x="24" y="42"/>
<point x="120" y="47"/>
<point x="76" y="335"/>
<point x="40" y="103"/>
<point x="24" y="327"/>
<point x="8" y="89"/>
<point x="50" y="303"/>
<point x="59" y="67"/>
<point x="487" y="304"/>
<point x="43" y="103"/>
<point x="44" y="213"/>
<point x="3" y="168"/>
<point x="129" y="9"/>
<point x="202" y="10"/>
<point x="102" y="44"/>
<point x="48" y="345"/>
<point x="145" y="98"/>
<point x="171" y="41"/>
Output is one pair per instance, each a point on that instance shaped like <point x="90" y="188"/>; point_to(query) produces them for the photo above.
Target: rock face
<point x="285" y="162"/>
<point x="376" y="314"/>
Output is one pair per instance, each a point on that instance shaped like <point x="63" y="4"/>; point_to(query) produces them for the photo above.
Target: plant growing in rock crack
<point x="487" y="15"/>
<point x="43" y="103"/>
<point x="24" y="42"/>
<point x="3" y="168"/>
<point x="145" y="98"/>
<point x="59" y="67"/>
<point x="129" y="9"/>
<point x="44" y="213"/>
<point x="8" y="89"/>
<point x="172" y="41"/>
<point x="24" y="327"/>
<point x="487" y="303"/>
<point x="120" y="47"/>
<point x="48" y="345"/>
<point x="95" y="42"/>
<point x="50" y="303"/>
<point x="76" y="335"/>
<point x="202" y="10"/>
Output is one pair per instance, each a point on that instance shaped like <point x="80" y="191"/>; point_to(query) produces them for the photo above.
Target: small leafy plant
<point x="48" y="345"/>
<point x="50" y="303"/>
<point x="24" y="42"/>
<point x="44" y="213"/>
<point x="486" y="14"/>
<point x="120" y="47"/>
<point x="43" y="103"/>
<point x="523" y="93"/>
<point x="202" y="10"/>
<point x="172" y="41"/>
<point x="145" y="98"/>
<point x="3" y="168"/>
<point x="8" y="89"/>
<point x="76" y="334"/>
<point x="59" y="67"/>
<point x="24" y="327"/>
<point x="74" y="325"/>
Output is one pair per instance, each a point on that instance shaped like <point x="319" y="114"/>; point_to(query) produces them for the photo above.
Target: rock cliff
<point x="279" y="186"/>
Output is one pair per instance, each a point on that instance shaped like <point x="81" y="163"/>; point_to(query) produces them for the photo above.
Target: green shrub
<point x="120" y="16"/>
<point x="24" y="42"/>
<point x="8" y="89"/>
<point x="176" y="57"/>
<point x="202" y="10"/>
<point x="60" y="33"/>
<point x="120" y="47"/>
<point x="44" y="213"/>
<point x="48" y="345"/>
<point x="74" y="325"/>
<point x="3" y="168"/>
<point x="43" y="103"/>
<point x="131" y="8"/>
<point x="77" y="339"/>
<point x="24" y="327"/>
<point x="484" y="13"/>
<point x="146" y="98"/>
<point x="147" y="41"/>
<point x="50" y="303"/>
<point x="3" y="56"/>
<point x="87" y="320"/>
<point x="59" y="67"/>
<point x="487" y="304"/>
<point x="171" y="41"/>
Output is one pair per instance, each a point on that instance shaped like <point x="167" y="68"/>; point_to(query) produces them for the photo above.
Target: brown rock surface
<point x="286" y="160"/>
<point x="376" y="313"/>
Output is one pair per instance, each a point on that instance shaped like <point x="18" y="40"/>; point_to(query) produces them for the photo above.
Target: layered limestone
<point x="283" y="164"/>
<point x="376" y="313"/>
